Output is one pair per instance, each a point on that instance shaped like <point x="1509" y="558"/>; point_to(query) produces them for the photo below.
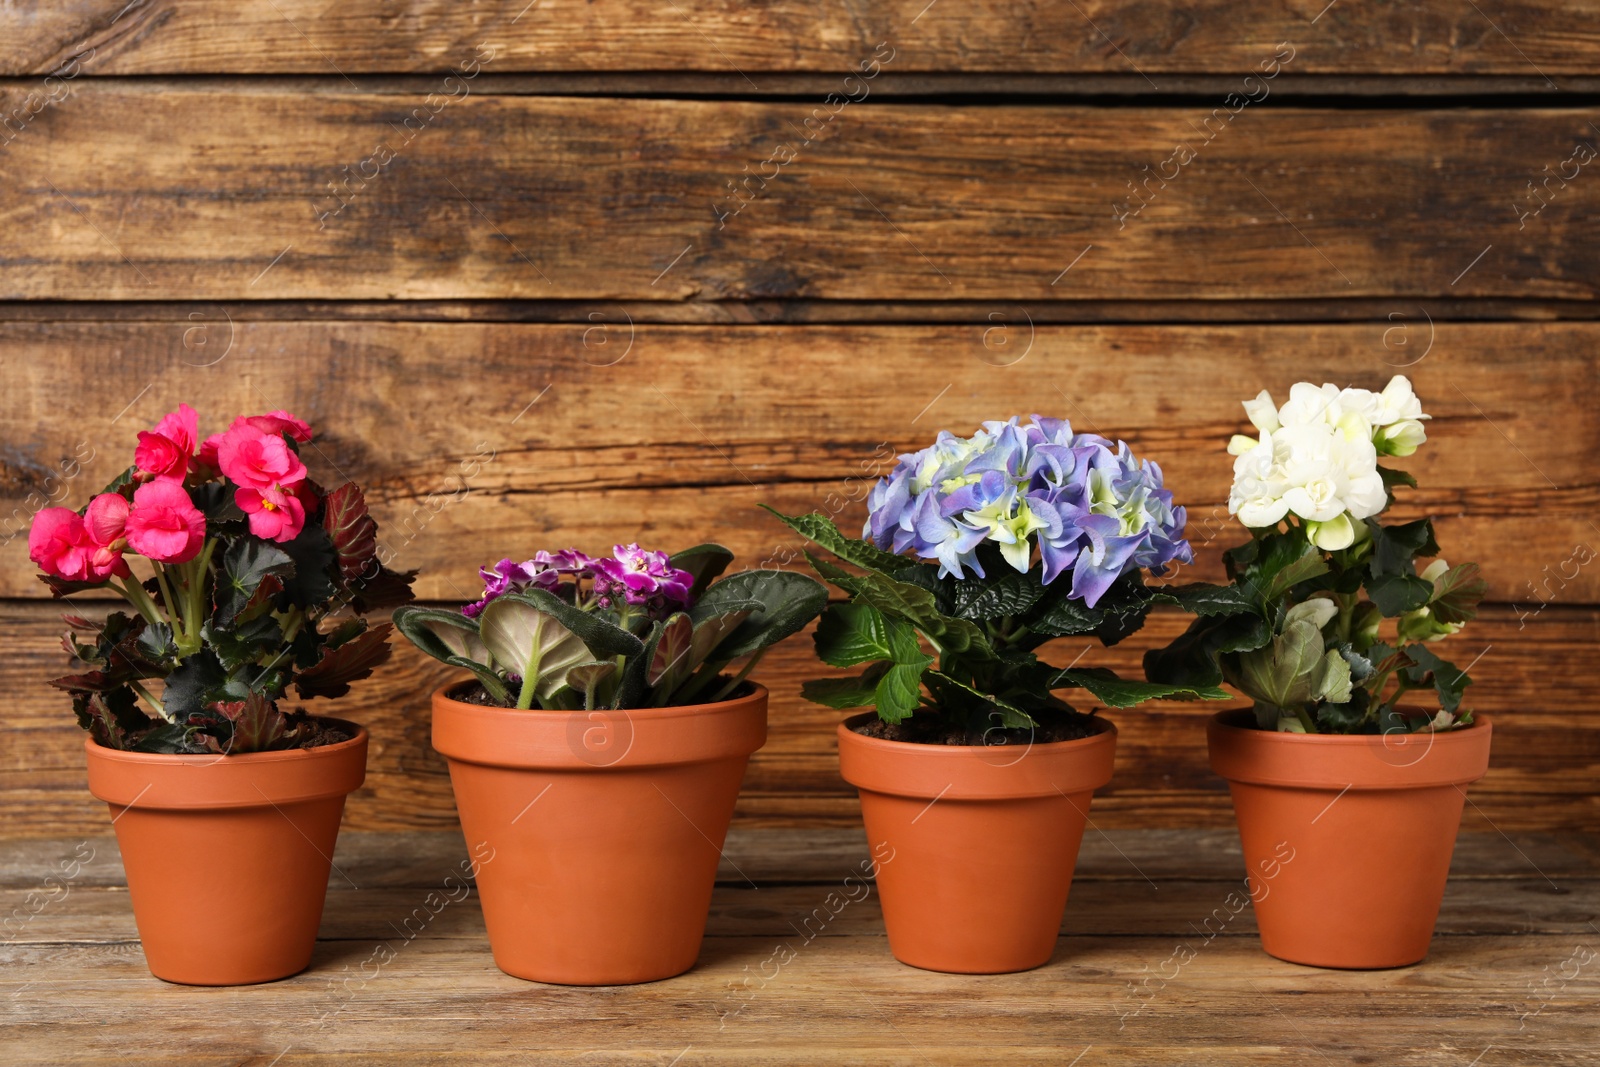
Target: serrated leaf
<point x="852" y="633"/>
<point x="1456" y="593"/>
<point x="1396" y="594"/>
<point x="187" y="686"/>
<point x="1205" y="599"/>
<point x="246" y="563"/>
<point x="348" y="661"/>
<point x="381" y="589"/>
<point x="1394" y="548"/>
<point x="351" y="529"/>
<point x="858" y="691"/>
<point x="1449" y="681"/>
<point x="1008" y="592"/>
<point x="1392" y="477"/>
<point x="917" y="606"/>
<point x="899" y="692"/>
<point x="1115" y="692"/>
<point x="820" y="530"/>
<point x="311" y="583"/>
<point x="1193" y="659"/>
<point x="1011" y="716"/>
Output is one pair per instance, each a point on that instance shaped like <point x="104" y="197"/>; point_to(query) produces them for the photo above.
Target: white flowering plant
<point x="1327" y="621"/>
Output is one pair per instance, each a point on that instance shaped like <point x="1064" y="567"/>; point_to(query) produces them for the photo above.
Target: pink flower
<point x="166" y="450"/>
<point x="164" y="524"/>
<point x="59" y="545"/>
<point x="275" y="514"/>
<point x="256" y="459"/>
<point x="103" y="524"/>
<point x="208" y="452"/>
<point x="281" y="422"/>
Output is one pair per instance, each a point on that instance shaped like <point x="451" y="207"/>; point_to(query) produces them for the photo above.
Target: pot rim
<point x="441" y="696"/>
<point x="964" y="751"/>
<point x="1061" y="769"/>
<point x="1238" y="719"/>
<point x="604" y="739"/>
<point x="207" y="759"/>
<point x="1249" y="755"/>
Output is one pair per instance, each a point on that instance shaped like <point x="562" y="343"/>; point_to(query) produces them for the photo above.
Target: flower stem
<point x="148" y="699"/>
<point x="134" y="594"/>
<point x="168" y="600"/>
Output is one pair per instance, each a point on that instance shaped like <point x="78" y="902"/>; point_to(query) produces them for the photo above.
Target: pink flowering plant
<point x="635" y="629"/>
<point x="245" y="577"/>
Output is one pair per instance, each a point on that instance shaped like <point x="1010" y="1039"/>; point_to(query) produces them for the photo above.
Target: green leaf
<point x="1449" y="681"/>
<point x="532" y="643"/>
<point x="917" y="606"/>
<point x="852" y="633"/>
<point x="820" y="530"/>
<point x="1205" y="599"/>
<point x="603" y="637"/>
<point x="899" y="692"/>
<point x="781" y="603"/>
<point x="1311" y="565"/>
<point x="590" y="679"/>
<point x="1194" y="658"/>
<point x="1394" y="548"/>
<point x="1067" y="618"/>
<point x="311" y="584"/>
<point x="1396" y="594"/>
<point x="1392" y="477"/>
<point x="188" y="686"/>
<point x="1284" y="673"/>
<point x="1332" y="682"/>
<point x="1008" y="592"/>
<point x="705" y="562"/>
<point x="1115" y="692"/>
<point x="1010" y="715"/>
<point x="156" y="644"/>
<point x="245" y="642"/>
<point x="444" y="635"/>
<point x="1456" y="593"/>
<point x="215" y="501"/>
<point x="711" y="632"/>
<point x="858" y="691"/>
<point x="245" y="565"/>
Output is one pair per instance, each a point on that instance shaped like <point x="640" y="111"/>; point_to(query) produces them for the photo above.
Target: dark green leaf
<point x="1193" y="659"/>
<point x="899" y="692"/>
<point x="244" y="643"/>
<point x="603" y="638"/>
<point x="858" y="691"/>
<point x="784" y="603"/>
<point x="820" y="530"/>
<point x="1203" y="598"/>
<point x="215" y="501"/>
<point x="1392" y="477"/>
<point x="705" y="562"/>
<point x="1311" y="565"/>
<point x="852" y="633"/>
<point x="1449" y="681"/>
<point x="1394" y="548"/>
<point x="442" y="634"/>
<point x="1396" y="594"/>
<point x="1456" y="593"/>
<point x="1006" y="591"/>
<point x="188" y="685"/>
<point x="1117" y="692"/>
<point x="245" y="564"/>
<point x="315" y="567"/>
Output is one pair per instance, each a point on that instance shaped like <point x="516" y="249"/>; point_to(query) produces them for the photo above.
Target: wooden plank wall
<point x="568" y="272"/>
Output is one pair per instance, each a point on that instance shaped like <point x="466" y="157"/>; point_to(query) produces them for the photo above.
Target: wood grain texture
<point x="477" y="441"/>
<point x="1528" y="37"/>
<point x="170" y="190"/>
<point x="1542" y="773"/>
<point x="78" y="990"/>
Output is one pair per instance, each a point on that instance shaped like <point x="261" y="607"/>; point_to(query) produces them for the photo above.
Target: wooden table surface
<point x="1513" y="977"/>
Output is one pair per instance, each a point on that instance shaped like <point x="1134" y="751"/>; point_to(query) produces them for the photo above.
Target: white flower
<point x="1319" y="463"/>
<point x="1400" y="438"/>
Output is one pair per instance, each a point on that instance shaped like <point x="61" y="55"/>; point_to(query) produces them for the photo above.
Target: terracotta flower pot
<point x="228" y="856"/>
<point x="974" y="845"/>
<point x="597" y="833"/>
<point x="1347" y="838"/>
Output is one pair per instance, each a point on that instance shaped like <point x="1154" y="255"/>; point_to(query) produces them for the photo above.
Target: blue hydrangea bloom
<point x="1088" y="506"/>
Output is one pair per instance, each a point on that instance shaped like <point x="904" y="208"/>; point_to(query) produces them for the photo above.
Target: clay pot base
<point x="596" y="835"/>
<point x="228" y="856"/>
<point x="1347" y="838"/>
<point x="974" y="846"/>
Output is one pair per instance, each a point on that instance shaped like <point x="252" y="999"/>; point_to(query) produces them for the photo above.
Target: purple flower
<point x="544" y="571"/>
<point x="1089" y="505"/>
<point x="640" y="577"/>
